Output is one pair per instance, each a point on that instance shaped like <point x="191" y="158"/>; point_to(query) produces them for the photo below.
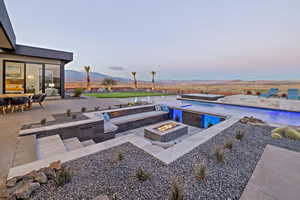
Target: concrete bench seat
<point x="134" y="117"/>
<point x="138" y="120"/>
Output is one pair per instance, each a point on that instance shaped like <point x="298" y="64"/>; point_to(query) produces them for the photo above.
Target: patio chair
<point x="270" y="93"/>
<point x="39" y="98"/>
<point x="4" y="104"/>
<point x="293" y="93"/>
<point x="19" y="103"/>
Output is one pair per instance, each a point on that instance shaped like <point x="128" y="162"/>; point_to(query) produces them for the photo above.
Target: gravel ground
<point x="99" y="174"/>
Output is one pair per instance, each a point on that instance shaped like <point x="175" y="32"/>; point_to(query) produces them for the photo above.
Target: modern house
<point x="26" y="69"/>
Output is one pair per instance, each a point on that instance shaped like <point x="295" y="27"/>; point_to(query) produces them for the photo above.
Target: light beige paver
<point x="72" y="144"/>
<point x="49" y="146"/>
<point x="276" y="176"/>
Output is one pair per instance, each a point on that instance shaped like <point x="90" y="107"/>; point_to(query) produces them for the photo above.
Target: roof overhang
<point x="7" y="35"/>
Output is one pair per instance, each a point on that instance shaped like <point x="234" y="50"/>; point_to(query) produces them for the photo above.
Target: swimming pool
<point x="268" y="115"/>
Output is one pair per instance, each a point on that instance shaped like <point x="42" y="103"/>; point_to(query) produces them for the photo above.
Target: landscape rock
<point x="12" y="182"/>
<point x="252" y="121"/>
<point x="38" y="176"/>
<point x="50" y="173"/>
<point x="25" y="190"/>
<point x="55" y="165"/>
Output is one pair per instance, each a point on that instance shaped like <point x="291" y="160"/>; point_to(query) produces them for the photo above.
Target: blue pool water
<point x="268" y="115"/>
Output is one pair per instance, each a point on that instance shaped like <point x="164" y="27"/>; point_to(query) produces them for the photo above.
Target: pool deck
<point x="275" y="177"/>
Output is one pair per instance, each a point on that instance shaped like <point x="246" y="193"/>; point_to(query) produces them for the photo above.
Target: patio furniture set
<point x="14" y="102"/>
<point x="293" y="93"/>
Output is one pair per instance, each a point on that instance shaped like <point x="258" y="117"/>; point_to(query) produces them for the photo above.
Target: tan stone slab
<point x="26" y="150"/>
<point x="275" y="177"/>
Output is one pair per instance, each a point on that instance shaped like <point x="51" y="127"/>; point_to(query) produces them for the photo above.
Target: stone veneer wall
<point x="192" y="119"/>
<point x="83" y="132"/>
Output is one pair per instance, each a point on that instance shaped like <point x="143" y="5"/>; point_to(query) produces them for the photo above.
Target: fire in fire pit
<point x="166" y="127"/>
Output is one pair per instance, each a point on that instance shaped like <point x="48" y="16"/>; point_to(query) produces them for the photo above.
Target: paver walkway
<point x="276" y="176"/>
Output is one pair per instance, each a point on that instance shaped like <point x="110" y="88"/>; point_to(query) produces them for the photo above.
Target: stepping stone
<point x="88" y="142"/>
<point x="50" y="146"/>
<point x="72" y="144"/>
<point x="276" y="176"/>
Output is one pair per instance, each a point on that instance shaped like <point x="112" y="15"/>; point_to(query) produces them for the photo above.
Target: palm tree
<point x="109" y="82"/>
<point x="134" y="79"/>
<point x="153" y="83"/>
<point x="87" y="69"/>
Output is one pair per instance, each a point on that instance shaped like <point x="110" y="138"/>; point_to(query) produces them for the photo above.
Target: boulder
<point x="55" y="165"/>
<point x="25" y="190"/>
<point x="12" y="182"/>
<point x="38" y="176"/>
<point x="50" y="173"/>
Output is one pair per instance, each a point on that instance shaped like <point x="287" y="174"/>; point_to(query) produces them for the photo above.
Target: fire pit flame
<point x="166" y="127"/>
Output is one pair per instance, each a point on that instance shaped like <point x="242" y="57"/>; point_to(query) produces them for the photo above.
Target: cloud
<point x="116" y="68"/>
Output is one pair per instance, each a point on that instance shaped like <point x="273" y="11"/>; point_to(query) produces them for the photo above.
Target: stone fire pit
<point x="165" y="131"/>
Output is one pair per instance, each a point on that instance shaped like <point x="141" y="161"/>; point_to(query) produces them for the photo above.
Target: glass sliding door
<point x="52" y="80"/>
<point x="34" y="78"/>
<point x="14" y="77"/>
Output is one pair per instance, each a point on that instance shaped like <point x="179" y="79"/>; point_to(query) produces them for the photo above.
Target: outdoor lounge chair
<point x="4" y="103"/>
<point x="270" y="93"/>
<point x="293" y="93"/>
<point x="39" y="98"/>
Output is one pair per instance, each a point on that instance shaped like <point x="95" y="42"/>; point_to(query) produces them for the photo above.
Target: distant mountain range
<point x="72" y="75"/>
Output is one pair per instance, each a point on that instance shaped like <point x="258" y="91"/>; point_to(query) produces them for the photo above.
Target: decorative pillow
<point x="165" y="108"/>
<point x="106" y="116"/>
<point x="157" y="107"/>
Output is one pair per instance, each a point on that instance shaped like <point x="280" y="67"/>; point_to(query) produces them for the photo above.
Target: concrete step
<point x="88" y="143"/>
<point x="50" y="146"/>
<point x="26" y="150"/>
<point x="72" y="144"/>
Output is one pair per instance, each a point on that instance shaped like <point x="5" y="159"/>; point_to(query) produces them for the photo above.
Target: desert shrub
<point x="287" y="132"/>
<point x="219" y="154"/>
<point x="118" y="156"/>
<point x="239" y="135"/>
<point x="200" y="171"/>
<point x="284" y="95"/>
<point x="74" y="116"/>
<point x="258" y="93"/>
<point x="228" y="145"/>
<point x="68" y="113"/>
<point x="83" y="109"/>
<point x="141" y="174"/>
<point x="63" y="176"/>
<point x="276" y="136"/>
<point x="249" y="92"/>
<point x="43" y="121"/>
<point x="97" y="108"/>
<point x="78" y="92"/>
<point x="176" y="192"/>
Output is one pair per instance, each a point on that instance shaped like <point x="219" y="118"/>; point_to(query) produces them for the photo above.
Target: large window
<point x="21" y="77"/>
<point x="52" y="80"/>
<point x="14" y="77"/>
<point x="34" y="78"/>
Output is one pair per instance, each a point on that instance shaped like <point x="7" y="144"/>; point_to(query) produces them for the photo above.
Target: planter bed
<point x="97" y="174"/>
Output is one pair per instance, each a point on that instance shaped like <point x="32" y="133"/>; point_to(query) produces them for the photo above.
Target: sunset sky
<point x="187" y="40"/>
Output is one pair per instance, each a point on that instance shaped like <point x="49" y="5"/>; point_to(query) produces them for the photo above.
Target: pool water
<point x="268" y="115"/>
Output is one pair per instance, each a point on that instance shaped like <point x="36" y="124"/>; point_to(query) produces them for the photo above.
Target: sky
<point x="179" y="39"/>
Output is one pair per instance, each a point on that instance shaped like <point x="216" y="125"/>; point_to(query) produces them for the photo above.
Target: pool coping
<point x="239" y="105"/>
